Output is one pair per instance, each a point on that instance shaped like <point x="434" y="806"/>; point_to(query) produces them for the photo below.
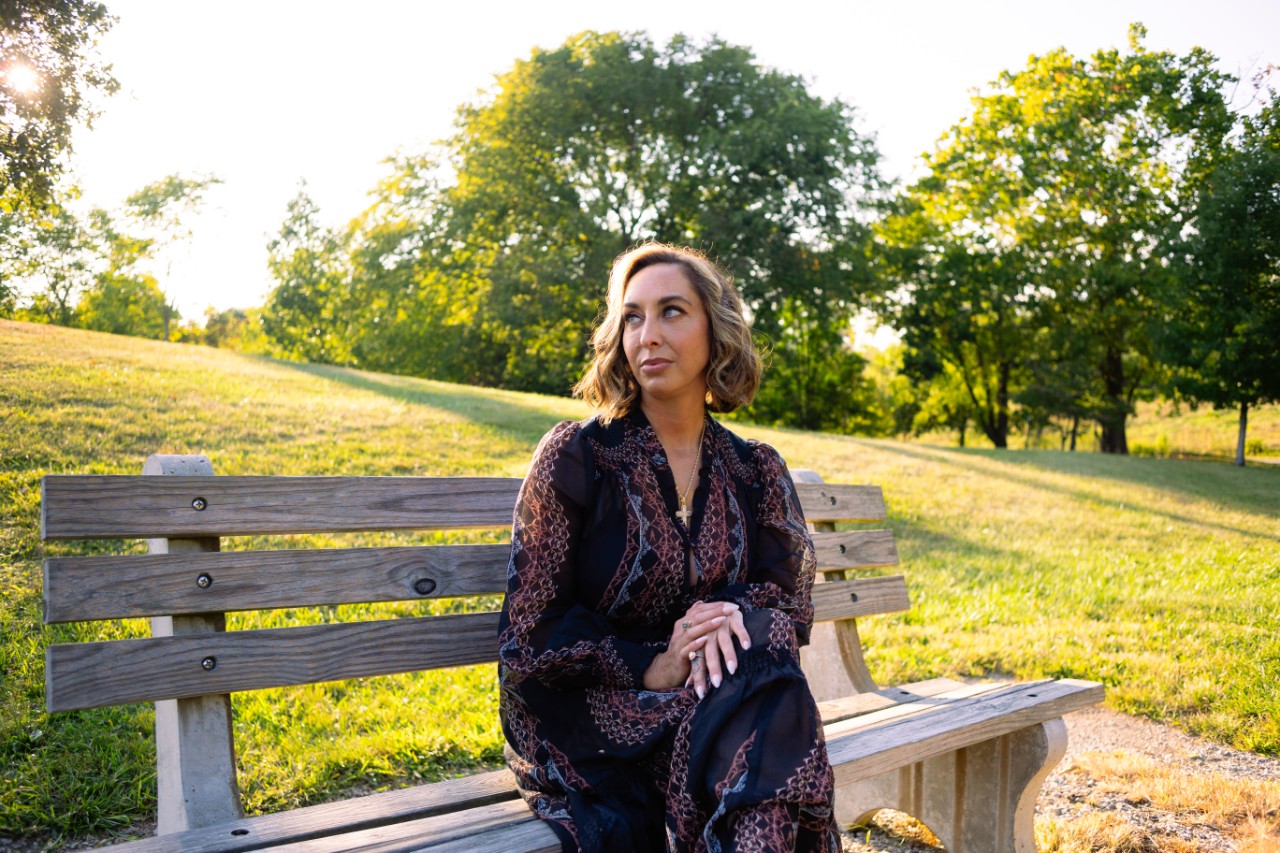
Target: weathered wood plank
<point x="437" y="798"/>
<point x="469" y="827"/>
<point x="939" y="727"/>
<point x="88" y="675"/>
<point x="89" y="588"/>
<point x="847" y="707"/>
<point x="381" y="809"/>
<point x="855" y="549"/>
<point x="126" y="507"/>
<point x="860" y="597"/>
<point x="533" y="836"/>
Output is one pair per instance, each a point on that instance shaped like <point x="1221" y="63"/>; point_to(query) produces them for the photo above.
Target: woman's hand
<point x="717" y="654"/>
<point x="700" y="648"/>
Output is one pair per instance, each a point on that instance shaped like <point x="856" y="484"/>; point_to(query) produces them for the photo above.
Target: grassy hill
<point x="1159" y="577"/>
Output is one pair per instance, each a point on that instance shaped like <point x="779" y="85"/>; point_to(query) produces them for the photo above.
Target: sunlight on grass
<point x="1159" y="577"/>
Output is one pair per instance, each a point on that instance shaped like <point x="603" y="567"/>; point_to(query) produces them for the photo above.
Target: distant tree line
<point x="98" y="270"/>
<point x="1098" y="231"/>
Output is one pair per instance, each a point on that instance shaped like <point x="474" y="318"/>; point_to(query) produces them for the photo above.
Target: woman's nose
<point x="649" y="335"/>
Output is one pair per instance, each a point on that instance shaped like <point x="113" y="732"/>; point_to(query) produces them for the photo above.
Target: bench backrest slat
<point x="186" y="507"/>
<point x="91" y="588"/>
<point x="86" y="675"/>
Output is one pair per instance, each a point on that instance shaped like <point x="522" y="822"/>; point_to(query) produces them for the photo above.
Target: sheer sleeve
<point x="782" y="568"/>
<point x="545" y="632"/>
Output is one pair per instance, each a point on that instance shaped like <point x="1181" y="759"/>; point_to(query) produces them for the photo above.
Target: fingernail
<point x="746" y="644"/>
<point x="702" y="693"/>
<point x="715" y="681"/>
<point x="733" y="667"/>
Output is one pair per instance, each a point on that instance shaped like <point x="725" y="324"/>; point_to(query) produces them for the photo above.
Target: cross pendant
<point x="684" y="515"/>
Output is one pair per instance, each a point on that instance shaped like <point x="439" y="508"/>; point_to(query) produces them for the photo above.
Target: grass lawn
<point x="1160" y="577"/>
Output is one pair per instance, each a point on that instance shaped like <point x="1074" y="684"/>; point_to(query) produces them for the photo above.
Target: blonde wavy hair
<point x="734" y="367"/>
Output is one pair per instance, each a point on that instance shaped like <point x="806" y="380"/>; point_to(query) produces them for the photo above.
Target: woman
<point x="659" y="588"/>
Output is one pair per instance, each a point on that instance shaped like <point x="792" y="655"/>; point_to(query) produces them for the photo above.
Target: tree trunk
<point x="1075" y="427"/>
<point x="1112" y="420"/>
<point x="964" y="425"/>
<point x="1244" y="428"/>
<point x="1002" y="405"/>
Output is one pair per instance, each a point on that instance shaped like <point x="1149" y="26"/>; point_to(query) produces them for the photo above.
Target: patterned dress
<point x="599" y="574"/>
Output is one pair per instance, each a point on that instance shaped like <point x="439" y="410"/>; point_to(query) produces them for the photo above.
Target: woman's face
<point x="666" y="334"/>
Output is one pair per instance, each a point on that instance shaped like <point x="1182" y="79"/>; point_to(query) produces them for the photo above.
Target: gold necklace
<point x="685" y="513"/>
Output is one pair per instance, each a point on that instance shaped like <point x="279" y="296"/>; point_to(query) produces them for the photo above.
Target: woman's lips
<point x="654" y="365"/>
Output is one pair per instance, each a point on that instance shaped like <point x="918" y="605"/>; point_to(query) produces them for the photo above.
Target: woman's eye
<point x="671" y="311"/>
<point x="631" y="319"/>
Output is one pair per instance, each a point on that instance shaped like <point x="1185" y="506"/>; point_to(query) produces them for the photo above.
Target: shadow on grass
<point x="523" y="418"/>
<point x="1210" y="482"/>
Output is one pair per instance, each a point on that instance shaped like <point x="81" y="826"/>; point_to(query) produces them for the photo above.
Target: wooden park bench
<point x="966" y="759"/>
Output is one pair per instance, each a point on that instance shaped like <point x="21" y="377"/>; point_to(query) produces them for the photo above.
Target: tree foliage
<point x="308" y="313"/>
<point x="1221" y="328"/>
<point x="100" y="260"/>
<point x="1052" y="204"/>
<point x="49" y="72"/>
<point x="578" y="152"/>
<point x="162" y="210"/>
<point x="124" y="304"/>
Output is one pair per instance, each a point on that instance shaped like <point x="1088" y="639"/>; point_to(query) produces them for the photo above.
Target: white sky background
<point x="265" y="94"/>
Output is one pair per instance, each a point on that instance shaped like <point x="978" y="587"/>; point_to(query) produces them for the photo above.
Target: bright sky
<point x="265" y="94"/>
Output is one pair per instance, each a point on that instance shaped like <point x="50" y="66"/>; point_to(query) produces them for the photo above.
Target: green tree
<point x="59" y="260"/>
<point x="308" y="314"/>
<point x="1221" y="327"/>
<point x="944" y="404"/>
<point x="1052" y="203"/>
<point x="124" y="305"/>
<point x="960" y="291"/>
<point x="161" y="210"/>
<point x="49" y="73"/>
<point x="824" y="386"/>
<point x="606" y="141"/>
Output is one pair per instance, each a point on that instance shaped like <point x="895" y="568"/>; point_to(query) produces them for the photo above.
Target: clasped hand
<point x="701" y="648"/>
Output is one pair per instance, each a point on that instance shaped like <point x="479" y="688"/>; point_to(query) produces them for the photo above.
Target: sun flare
<point x="22" y="78"/>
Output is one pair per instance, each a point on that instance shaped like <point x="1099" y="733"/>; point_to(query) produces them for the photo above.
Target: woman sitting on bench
<point x="658" y="592"/>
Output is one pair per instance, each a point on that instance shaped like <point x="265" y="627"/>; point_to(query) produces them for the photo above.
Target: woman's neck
<point x="678" y="424"/>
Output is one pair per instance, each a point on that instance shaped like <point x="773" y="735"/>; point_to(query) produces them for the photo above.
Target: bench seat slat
<point x="141" y="507"/>
<point x="477" y="828"/>
<point x="938" y="729"/>
<point x="940" y="703"/>
<point x="91" y="588"/>
<point x="119" y="672"/>
<point x="526" y="836"/>
<point x="380" y="809"/>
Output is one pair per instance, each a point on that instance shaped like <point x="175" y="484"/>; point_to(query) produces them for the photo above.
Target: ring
<point x="686" y="624"/>
<point x="696" y="657"/>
